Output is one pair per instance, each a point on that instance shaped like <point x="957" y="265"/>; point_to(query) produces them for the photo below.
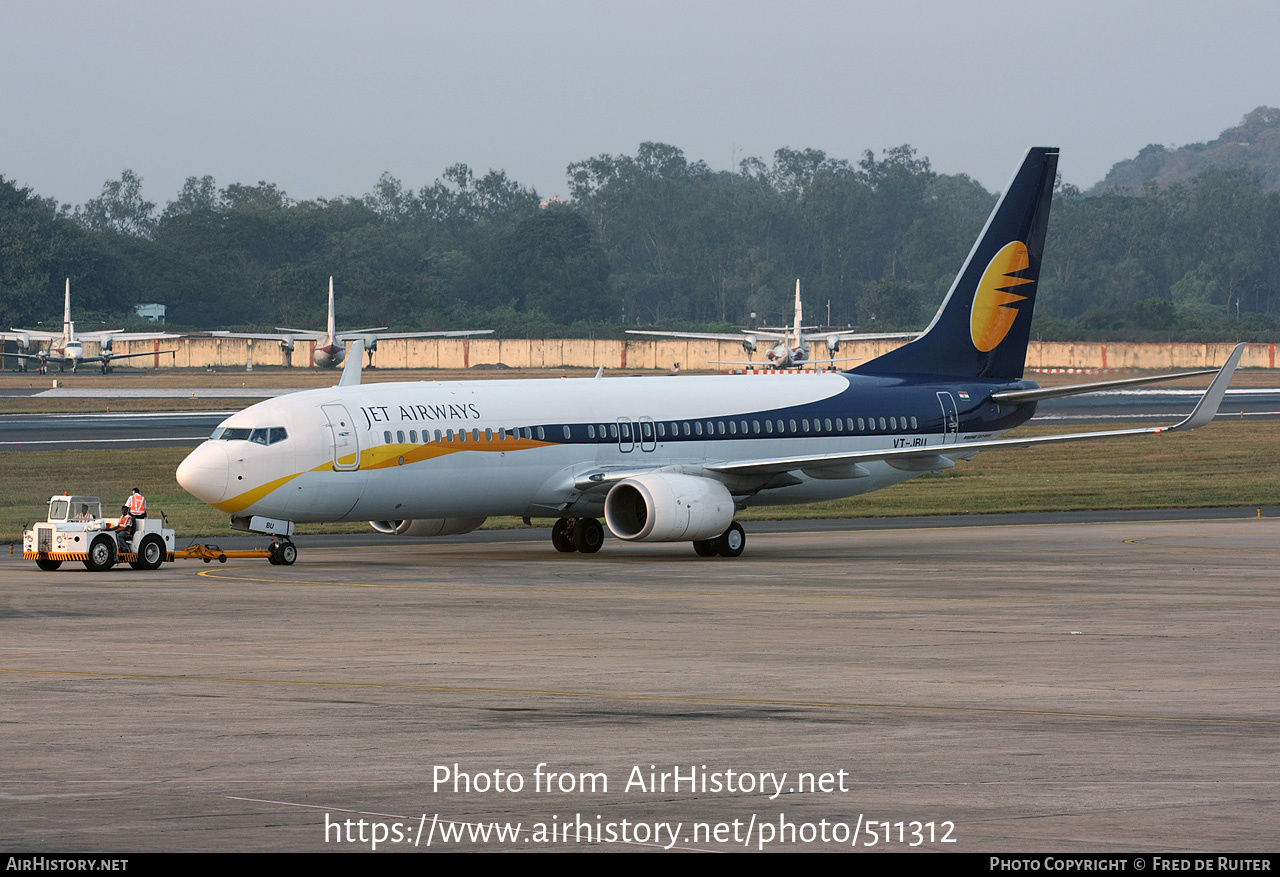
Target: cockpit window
<point x="261" y="436"/>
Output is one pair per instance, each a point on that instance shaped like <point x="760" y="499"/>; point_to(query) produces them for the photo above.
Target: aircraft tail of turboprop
<point x="333" y="326"/>
<point x="984" y="323"/>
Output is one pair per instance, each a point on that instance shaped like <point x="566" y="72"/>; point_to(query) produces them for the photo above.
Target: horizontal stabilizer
<point x="1018" y="397"/>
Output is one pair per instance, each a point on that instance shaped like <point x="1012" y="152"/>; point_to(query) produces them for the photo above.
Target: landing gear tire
<point x="48" y="565"/>
<point x="102" y="555"/>
<point x="731" y="542"/>
<point x="151" y="553"/>
<point x="562" y="536"/>
<point x="588" y="535"/>
<point x="705" y="547"/>
<point x="287" y="553"/>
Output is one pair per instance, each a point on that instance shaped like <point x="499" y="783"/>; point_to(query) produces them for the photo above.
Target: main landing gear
<point x="587" y="535"/>
<point x="577" y="534"/>
<point x="728" y="544"/>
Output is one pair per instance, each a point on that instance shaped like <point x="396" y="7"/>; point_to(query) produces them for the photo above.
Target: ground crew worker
<point x="137" y="507"/>
<point x="137" y="504"/>
<point x="124" y="526"/>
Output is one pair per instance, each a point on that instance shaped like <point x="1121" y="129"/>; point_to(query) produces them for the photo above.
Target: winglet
<point x="600" y="373"/>
<point x="355" y="362"/>
<point x="1207" y="407"/>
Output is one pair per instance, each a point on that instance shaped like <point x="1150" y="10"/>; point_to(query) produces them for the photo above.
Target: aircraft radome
<point x="661" y="459"/>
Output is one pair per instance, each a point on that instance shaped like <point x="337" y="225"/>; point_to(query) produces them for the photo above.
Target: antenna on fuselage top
<point x="355" y="362"/>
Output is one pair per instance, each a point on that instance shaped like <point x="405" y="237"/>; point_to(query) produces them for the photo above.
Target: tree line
<point x="650" y="239"/>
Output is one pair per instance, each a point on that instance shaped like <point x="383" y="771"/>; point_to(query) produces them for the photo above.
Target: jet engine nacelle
<point x="286" y="343"/>
<point x="663" y="507"/>
<point x="833" y="343"/>
<point x="428" y="526"/>
<point x="749" y="343"/>
<point x="23" y="341"/>
<point x="104" y="344"/>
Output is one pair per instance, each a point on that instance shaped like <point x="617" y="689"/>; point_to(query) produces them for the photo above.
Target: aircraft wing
<point x="307" y="335"/>
<point x="448" y="333"/>
<point x="37" y="335"/>
<point x="96" y="336"/>
<point x="709" y="336"/>
<point x="864" y="336"/>
<point x="942" y="456"/>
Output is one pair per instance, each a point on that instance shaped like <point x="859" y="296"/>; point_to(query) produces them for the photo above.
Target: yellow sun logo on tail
<point x="991" y="317"/>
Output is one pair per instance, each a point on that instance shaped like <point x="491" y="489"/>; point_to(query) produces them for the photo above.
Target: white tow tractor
<point x="76" y="530"/>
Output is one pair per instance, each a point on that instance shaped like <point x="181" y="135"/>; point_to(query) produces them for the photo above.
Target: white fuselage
<point x="526" y="447"/>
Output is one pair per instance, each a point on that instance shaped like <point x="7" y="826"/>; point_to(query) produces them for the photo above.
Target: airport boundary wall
<point x="460" y="353"/>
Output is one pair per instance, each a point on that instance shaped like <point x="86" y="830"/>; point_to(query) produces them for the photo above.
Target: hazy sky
<point x="320" y="98"/>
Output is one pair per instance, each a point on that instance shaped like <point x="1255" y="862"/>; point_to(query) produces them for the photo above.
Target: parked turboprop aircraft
<point x="330" y="346"/>
<point x="68" y="347"/>
<point x="792" y="348"/>
<point x="662" y="459"/>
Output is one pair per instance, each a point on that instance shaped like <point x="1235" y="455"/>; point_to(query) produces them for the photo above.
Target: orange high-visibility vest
<point x="137" y="504"/>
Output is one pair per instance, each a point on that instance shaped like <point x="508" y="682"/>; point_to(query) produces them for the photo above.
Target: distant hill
<point x="1254" y="144"/>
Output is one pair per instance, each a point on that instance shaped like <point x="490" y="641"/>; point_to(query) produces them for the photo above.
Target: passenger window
<point x="913" y="422"/>
<point x="893" y="423"/>
<point x="591" y="431"/>
<point x="541" y="434"/>
<point x="733" y="428"/>
<point x="882" y="426"/>
<point x="567" y="433"/>
<point x="862" y="427"/>
<point x="437" y="435"/>
<point x="488" y="435"/>
<point x="768" y="427"/>
<point x="793" y="427"/>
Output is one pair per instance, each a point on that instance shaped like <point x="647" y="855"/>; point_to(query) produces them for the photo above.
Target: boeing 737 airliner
<point x="661" y="459"/>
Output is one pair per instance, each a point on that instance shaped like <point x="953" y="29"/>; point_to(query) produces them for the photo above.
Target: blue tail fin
<point x="984" y="323"/>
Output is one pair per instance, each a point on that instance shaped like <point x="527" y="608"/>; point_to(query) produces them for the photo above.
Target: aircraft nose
<point x="203" y="474"/>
